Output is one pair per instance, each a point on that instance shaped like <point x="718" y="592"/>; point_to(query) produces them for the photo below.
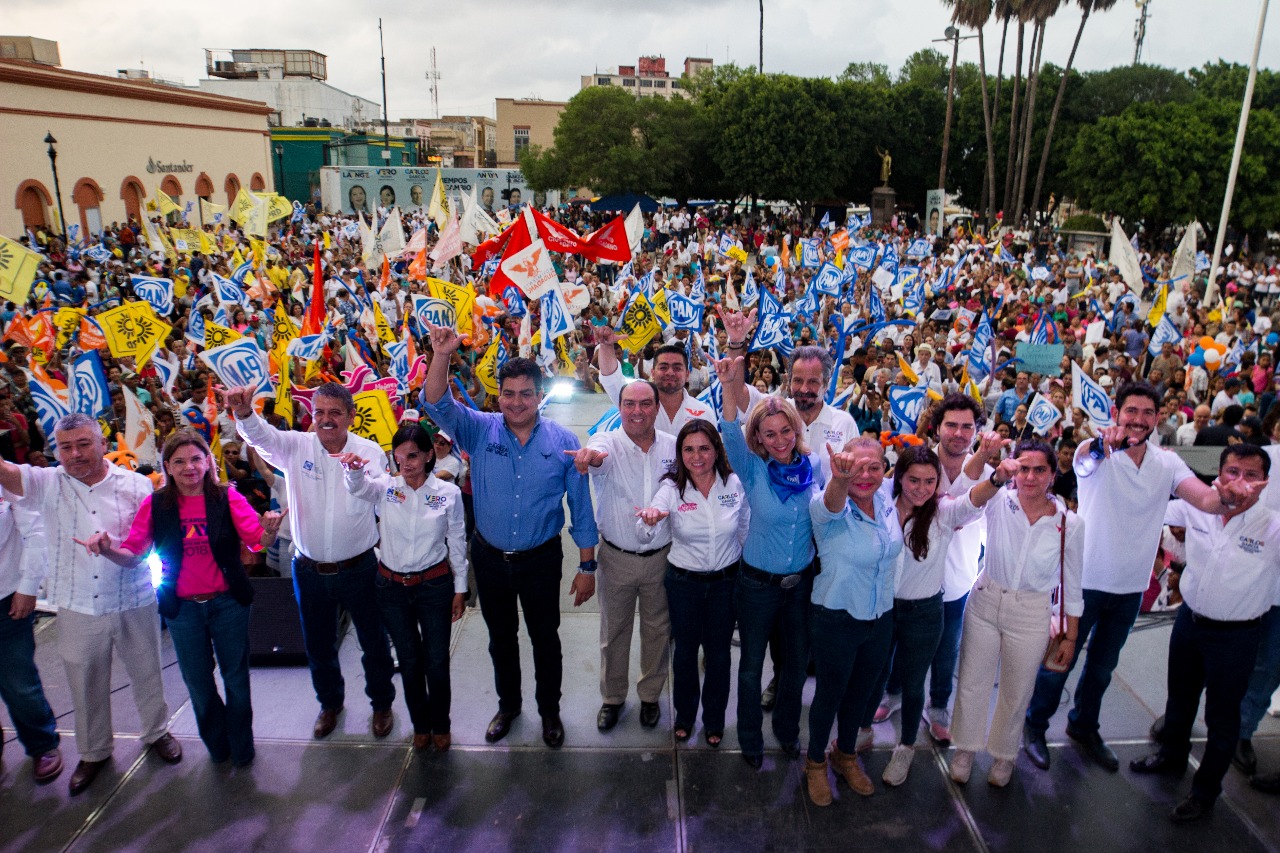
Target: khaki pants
<point x="1007" y="629"/>
<point x="85" y="643"/>
<point x="623" y="581"/>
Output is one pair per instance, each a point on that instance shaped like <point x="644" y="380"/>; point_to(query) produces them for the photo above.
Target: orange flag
<point x="386" y="275"/>
<point x="418" y="266"/>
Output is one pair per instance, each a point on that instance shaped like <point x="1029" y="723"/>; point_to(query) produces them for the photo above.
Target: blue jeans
<point x="762" y="609"/>
<point x="1265" y="678"/>
<point x="418" y="620"/>
<point x="848" y="655"/>
<point x="917" y="629"/>
<point x="318" y="599"/>
<point x="942" y="672"/>
<point x="1215" y="660"/>
<point x="20" y="686"/>
<point x="1105" y="625"/>
<point x="200" y="631"/>
<point x="701" y="617"/>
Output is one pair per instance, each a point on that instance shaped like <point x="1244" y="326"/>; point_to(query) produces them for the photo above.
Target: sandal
<point x="683" y="733"/>
<point x="714" y="738"/>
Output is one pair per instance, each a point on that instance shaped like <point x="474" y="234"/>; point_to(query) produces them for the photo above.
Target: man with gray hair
<point x="808" y="380"/>
<point x="101" y="607"/>
<point x="333" y="538"/>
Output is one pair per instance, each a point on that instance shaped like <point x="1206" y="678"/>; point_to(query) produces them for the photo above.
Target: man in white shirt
<point x="1122" y="503"/>
<point x="333" y="537"/>
<point x="1186" y="434"/>
<point x="676" y="406"/>
<point x="101" y="607"/>
<point x="627" y="466"/>
<point x="1228" y="584"/>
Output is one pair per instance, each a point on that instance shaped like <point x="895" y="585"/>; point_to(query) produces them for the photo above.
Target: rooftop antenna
<point x="433" y="74"/>
<point x="1140" y="30"/>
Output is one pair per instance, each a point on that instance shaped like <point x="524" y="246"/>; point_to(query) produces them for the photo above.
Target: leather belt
<point x="1206" y="622"/>
<point x="706" y="577"/>
<point x="517" y="556"/>
<point x="334" y="567"/>
<point x="632" y="553"/>
<point x="784" y="581"/>
<point x="439" y="570"/>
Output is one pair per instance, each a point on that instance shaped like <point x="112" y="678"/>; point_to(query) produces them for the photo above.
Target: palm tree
<point x="1088" y="7"/>
<point x="1039" y="11"/>
<point x="974" y="14"/>
<point x="1015" y="7"/>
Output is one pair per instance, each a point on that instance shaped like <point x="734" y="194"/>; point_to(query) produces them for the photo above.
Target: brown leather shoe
<point x="85" y="773"/>
<point x="168" y="748"/>
<point x="382" y="723"/>
<point x="421" y="742"/>
<point x="848" y="767"/>
<point x="442" y="742"/>
<point x="816" y="782"/>
<point x="326" y="722"/>
<point x="46" y="767"/>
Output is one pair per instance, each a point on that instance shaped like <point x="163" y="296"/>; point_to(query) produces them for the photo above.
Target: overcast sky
<point x="540" y="48"/>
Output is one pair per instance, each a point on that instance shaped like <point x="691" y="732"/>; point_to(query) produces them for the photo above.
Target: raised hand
<point x="585" y="458"/>
<point x="843" y="462"/>
<point x="1113" y="438"/>
<point x="736" y="324"/>
<point x="727" y="369"/>
<point x="271" y="521"/>
<point x="1006" y="470"/>
<point x="1236" y="492"/>
<point x="95" y="544"/>
<point x="990" y="445"/>
<point x="350" y="461"/>
<point x="444" y="340"/>
<point x="606" y="335"/>
<point x="651" y="515"/>
<point x="237" y="399"/>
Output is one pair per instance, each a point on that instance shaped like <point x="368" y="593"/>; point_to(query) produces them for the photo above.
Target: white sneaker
<point x="961" y="766"/>
<point x="866" y="740"/>
<point x="939" y="720"/>
<point x="899" y="765"/>
<point x="1001" y="772"/>
<point x="888" y="705"/>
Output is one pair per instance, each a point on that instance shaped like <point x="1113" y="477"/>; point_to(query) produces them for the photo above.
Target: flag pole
<point x="1211" y="288"/>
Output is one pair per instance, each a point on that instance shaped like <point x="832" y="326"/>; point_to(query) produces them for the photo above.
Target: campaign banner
<point x="1045" y="359"/>
<point x="363" y="189"/>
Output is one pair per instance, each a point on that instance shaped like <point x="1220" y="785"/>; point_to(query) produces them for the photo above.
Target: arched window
<point x="204" y="187"/>
<point x="232" y="186"/>
<point x="133" y="194"/>
<point x="88" y="196"/>
<point x="33" y="200"/>
<point x="256" y="183"/>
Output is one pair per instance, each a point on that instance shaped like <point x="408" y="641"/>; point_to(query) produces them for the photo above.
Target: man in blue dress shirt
<point x="520" y="473"/>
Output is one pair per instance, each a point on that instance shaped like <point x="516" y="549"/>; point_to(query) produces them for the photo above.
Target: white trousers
<point x="86" y="643"/>
<point x="1005" y="631"/>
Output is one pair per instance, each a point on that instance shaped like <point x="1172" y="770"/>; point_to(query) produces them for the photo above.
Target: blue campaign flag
<point x="780" y="282"/>
<point x="713" y="396"/>
<point x="919" y="248"/>
<point x="913" y="299"/>
<point x="889" y="260"/>
<point x="195" y="327"/>
<point x="555" y="315"/>
<point x="839" y="359"/>
<point x="1041" y="273"/>
<point x="1165" y="332"/>
<point x="50" y="408"/>
<point x="308" y="347"/>
<point x="1090" y="397"/>
<point x="827" y="279"/>
<point x="515" y="301"/>
<point x="437" y="312"/>
<point x="1042" y="414"/>
<point x="89" y="394"/>
<point x="807" y="305"/>
<point x="298" y="212"/>
<point x="167" y="371"/>
<point x="978" y="355"/>
<point x="773" y="331"/>
<point x="905" y="406"/>
<point x="862" y="257"/>
<point x="826" y="219"/>
<point x="1202" y="261"/>
<point x="239" y="274"/>
<point x="229" y="291"/>
<point x="1044" y="331"/>
<point x="645" y="285"/>
<point x="608" y="422"/>
<point x="241" y="362"/>
<point x="769" y="303"/>
<point x="698" y="290"/>
<point x="875" y="305"/>
<point x="809" y="253"/>
<point x="685" y="313"/>
<point x="98" y="254"/>
<point x="157" y="291"/>
<point x="624" y="272"/>
<point x="750" y="291"/>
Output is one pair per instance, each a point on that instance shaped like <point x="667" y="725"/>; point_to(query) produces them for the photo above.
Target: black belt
<point x="516" y="556"/>
<point x="334" y="567"/>
<point x="784" y="581"/>
<point x="706" y="577"/>
<point x="1206" y="622"/>
<point x="632" y="553"/>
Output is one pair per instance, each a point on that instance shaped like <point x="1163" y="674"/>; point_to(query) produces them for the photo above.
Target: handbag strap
<point x="1062" y="575"/>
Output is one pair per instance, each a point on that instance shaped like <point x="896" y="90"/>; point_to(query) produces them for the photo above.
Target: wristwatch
<point x="587" y="567"/>
<point x="999" y="484"/>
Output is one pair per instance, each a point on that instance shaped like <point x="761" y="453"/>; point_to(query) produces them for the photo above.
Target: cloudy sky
<point x="540" y="48"/>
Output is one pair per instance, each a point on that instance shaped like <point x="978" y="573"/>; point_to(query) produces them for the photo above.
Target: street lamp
<point x="57" y="187"/>
<point x="279" y="149"/>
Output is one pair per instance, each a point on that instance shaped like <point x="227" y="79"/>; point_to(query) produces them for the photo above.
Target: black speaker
<point x="275" y="629"/>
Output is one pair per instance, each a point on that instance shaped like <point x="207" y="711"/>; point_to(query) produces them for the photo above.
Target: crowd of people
<point x="833" y="448"/>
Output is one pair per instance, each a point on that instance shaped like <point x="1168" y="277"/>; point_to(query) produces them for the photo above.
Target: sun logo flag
<point x="216" y="335"/>
<point x="639" y="324"/>
<point x="133" y="330"/>
<point x="1042" y="414"/>
<point x="374" y="418"/>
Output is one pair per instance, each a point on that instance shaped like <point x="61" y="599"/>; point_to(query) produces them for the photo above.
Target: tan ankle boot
<point x="815" y="774"/>
<point x="848" y="767"/>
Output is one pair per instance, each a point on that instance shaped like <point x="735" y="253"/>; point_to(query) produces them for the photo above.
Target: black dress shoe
<point x="1037" y="749"/>
<point x="650" y="713"/>
<point x="790" y="750"/>
<point x="1190" y="810"/>
<point x="500" y="725"/>
<point x="769" y="697"/>
<point x="608" y="717"/>
<point x="1245" y="759"/>
<point x="1268" y="784"/>
<point x="1159" y="764"/>
<point x="553" y="731"/>
<point x="1157" y="729"/>
<point x="1095" y="747"/>
<point x="753" y="761"/>
<point x="85" y="773"/>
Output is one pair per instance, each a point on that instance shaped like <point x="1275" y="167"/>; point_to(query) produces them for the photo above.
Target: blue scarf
<point x="791" y="479"/>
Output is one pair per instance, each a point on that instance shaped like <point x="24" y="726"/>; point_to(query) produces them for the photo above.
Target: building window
<point x="603" y="81"/>
<point x="675" y="84"/>
<point x="660" y="84"/>
<point x="629" y="81"/>
<point x="521" y="140"/>
<point x="646" y="84"/>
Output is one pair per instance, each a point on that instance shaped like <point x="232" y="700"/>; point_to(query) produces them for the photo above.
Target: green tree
<point x="873" y="73"/>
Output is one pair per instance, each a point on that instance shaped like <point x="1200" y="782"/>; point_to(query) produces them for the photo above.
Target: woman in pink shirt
<point x="197" y="527"/>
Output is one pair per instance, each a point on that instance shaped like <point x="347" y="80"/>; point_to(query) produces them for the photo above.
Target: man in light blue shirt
<point x="519" y="473"/>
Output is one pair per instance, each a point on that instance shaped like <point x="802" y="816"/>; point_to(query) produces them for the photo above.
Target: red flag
<point x="557" y="237"/>
<point x="520" y="239"/>
<point x="313" y="322"/>
<point x="489" y="248"/>
<point x="609" y="243"/>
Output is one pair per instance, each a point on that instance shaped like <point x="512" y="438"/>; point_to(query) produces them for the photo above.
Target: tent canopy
<point x="624" y="202"/>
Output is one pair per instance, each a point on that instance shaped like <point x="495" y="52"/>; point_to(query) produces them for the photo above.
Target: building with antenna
<point x="294" y="83"/>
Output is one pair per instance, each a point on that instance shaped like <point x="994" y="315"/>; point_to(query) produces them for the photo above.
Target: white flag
<point x="1089" y="397"/>
<point x="450" y="244"/>
<point x="1125" y="258"/>
<point x="531" y="269"/>
<point x="634" y="224"/>
<point x="1042" y="414"/>
<point x="1184" y="259"/>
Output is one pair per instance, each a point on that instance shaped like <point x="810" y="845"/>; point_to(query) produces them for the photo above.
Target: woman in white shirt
<point x="421" y="583"/>
<point x="1032" y="539"/>
<point x="928" y="522"/>
<point x="705" y="506"/>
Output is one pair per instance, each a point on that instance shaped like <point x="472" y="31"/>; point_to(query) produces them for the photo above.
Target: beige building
<point x="522" y="123"/>
<point x="648" y="78"/>
<point x="117" y="141"/>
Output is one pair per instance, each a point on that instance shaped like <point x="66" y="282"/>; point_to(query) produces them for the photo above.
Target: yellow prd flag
<point x="282" y="331"/>
<point x="660" y="307"/>
<point x="133" y="330"/>
<point x="375" y="419"/>
<point x="1158" y="306"/>
<point x="210" y="212"/>
<point x="207" y="245"/>
<point x="438" y="209"/>
<point x="251" y="212"/>
<point x="278" y="206"/>
<point x="284" y="395"/>
<point x="237" y="259"/>
<point x="386" y="335"/>
<point x="487" y="366"/>
<point x="463" y="299"/>
<point x="216" y="335"/>
<point x="259" y="249"/>
<point x="738" y="254"/>
<point x="638" y="325"/>
<point x="186" y="239"/>
<point x="167" y="204"/>
<point x="67" y="322"/>
<point x="18" y="266"/>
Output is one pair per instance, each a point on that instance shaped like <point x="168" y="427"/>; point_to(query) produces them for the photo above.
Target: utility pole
<point x="760" y="65"/>
<point x="1140" y="30"/>
<point x="386" y="134"/>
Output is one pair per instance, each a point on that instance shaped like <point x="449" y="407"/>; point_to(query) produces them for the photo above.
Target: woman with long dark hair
<point x="928" y="522"/>
<point x="197" y="527"/>
<point x="705" y="506"/>
<point x="421" y="584"/>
